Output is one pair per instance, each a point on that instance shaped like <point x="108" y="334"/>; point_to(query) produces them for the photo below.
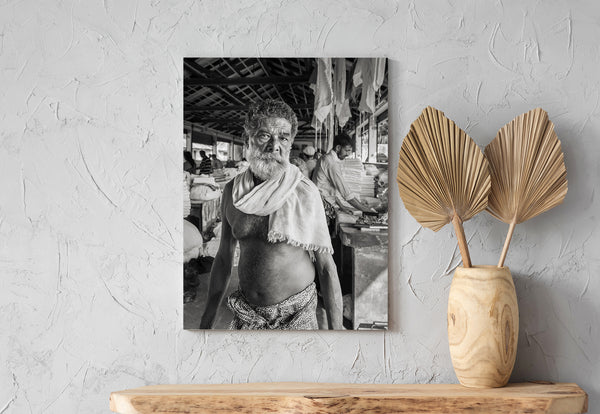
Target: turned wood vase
<point x="483" y="325"/>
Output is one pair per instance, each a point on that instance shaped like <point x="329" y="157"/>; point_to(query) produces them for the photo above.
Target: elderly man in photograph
<point x="276" y="215"/>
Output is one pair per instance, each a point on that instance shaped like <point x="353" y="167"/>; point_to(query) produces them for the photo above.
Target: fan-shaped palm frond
<point x="527" y="170"/>
<point x="442" y="175"/>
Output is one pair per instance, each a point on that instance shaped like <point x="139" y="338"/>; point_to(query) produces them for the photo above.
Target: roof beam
<point x="201" y="70"/>
<point x="263" y="66"/>
<point x="212" y="108"/>
<point x="232" y="122"/>
<point x="250" y="80"/>
<point x="210" y="131"/>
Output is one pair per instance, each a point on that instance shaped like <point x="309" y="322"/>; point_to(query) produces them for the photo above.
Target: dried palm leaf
<point x="527" y="169"/>
<point x="442" y="175"/>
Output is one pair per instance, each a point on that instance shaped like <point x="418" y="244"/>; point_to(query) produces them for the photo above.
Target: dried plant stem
<point x="462" y="240"/>
<point x="511" y="230"/>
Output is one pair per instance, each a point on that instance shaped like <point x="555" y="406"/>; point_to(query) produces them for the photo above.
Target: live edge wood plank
<point x="320" y="398"/>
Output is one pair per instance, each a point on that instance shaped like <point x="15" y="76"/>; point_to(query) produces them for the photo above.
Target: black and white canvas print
<point x="285" y="184"/>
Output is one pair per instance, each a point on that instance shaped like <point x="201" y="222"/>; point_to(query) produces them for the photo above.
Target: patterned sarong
<point x="298" y="312"/>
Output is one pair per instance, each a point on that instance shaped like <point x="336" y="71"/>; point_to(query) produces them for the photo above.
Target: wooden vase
<point x="483" y="325"/>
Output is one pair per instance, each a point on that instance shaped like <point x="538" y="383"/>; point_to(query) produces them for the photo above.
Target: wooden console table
<point x="317" y="398"/>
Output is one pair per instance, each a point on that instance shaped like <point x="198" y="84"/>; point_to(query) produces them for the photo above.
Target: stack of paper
<point x="356" y="179"/>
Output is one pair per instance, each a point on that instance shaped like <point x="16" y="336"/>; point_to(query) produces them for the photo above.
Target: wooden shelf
<point x="318" y="398"/>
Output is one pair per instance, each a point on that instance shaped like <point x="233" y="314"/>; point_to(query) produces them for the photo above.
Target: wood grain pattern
<point x="483" y="325"/>
<point x="314" y="398"/>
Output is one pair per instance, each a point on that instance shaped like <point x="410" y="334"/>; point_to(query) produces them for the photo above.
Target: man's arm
<point x="330" y="289"/>
<point x="338" y="181"/>
<point x="220" y="273"/>
<point x="359" y="205"/>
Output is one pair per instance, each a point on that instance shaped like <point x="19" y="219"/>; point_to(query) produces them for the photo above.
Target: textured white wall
<point x="90" y="245"/>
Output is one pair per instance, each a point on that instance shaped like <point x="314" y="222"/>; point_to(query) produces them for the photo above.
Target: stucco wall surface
<point x="90" y="222"/>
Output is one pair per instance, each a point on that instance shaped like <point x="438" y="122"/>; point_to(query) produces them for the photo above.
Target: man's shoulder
<point x="226" y="197"/>
<point x="228" y="187"/>
<point x="329" y="158"/>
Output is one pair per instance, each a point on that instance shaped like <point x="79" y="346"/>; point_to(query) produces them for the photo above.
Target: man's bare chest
<point x="245" y="226"/>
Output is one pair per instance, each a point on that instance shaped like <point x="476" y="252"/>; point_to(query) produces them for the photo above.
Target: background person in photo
<point x="327" y="175"/>
<point x="205" y="165"/>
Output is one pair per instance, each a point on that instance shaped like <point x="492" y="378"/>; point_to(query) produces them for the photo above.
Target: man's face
<point x="343" y="151"/>
<point x="269" y="148"/>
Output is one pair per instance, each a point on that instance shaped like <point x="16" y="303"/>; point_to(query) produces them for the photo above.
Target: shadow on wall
<point x="553" y="341"/>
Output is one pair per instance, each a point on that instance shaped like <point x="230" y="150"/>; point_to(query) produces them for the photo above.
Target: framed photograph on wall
<point x="285" y="181"/>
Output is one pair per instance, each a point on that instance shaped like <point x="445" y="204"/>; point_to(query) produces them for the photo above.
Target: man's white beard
<point x="266" y="165"/>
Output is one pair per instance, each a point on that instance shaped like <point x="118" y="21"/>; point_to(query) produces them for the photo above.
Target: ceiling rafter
<point x="218" y="91"/>
<point x="215" y="108"/>
<point x="252" y="80"/>
<point x="207" y="73"/>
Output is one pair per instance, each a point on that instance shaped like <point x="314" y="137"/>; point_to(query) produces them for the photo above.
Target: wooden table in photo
<point x="205" y="211"/>
<point x="319" y="398"/>
<point x="369" y="258"/>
